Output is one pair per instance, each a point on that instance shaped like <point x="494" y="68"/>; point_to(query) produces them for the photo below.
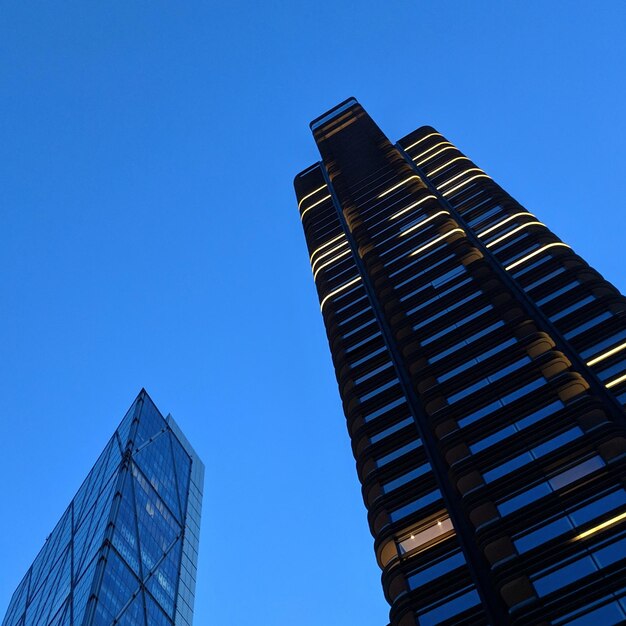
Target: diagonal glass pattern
<point x="117" y="554"/>
<point x="157" y="465"/>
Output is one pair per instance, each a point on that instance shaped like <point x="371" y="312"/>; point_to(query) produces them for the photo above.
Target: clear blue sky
<point x="149" y="237"/>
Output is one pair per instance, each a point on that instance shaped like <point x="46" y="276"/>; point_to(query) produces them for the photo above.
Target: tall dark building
<point x="482" y="368"/>
<point x="125" y="551"/>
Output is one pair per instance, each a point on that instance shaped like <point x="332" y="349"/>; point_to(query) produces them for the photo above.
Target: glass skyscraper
<point x="125" y="550"/>
<point x="482" y="368"/>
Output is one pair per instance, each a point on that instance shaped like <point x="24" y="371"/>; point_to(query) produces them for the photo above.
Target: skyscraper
<point x="125" y="550"/>
<point x="482" y="369"/>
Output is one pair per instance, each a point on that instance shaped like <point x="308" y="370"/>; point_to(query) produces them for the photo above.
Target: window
<point x="449" y="608"/>
<point x="522" y="499"/>
<point x="532" y="266"/>
<point x="405" y="478"/>
<point x="466" y="342"/>
<point x="438" y="296"/>
<point x="565" y="575"/>
<point x="557" y="293"/>
<point x="571" y="308"/>
<point x="611" y="613"/>
<point x="392" y="456"/>
<point x="544" y="279"/>
<point x="429" y="320"/>
<point x="414" y="506"/>
<point x="589" y="324"/>
<point x="363" y="342"/>
<point x="392" y="429"/>
<point x="435" y="531"/>
<point x="354" y="331"/>
<point x="511" y="429"/>
<point x="553" y="484"/>
<point x="387" y="407"/>
<point x="501" y="373"/>
<point x="367" y="357"/>
<point x="605" y="343"/>
<point x="458" y="324"/>
<point x="601" y="506"/>
<point x="380" y="389"/>
<point x="444" y="567"/>
<point x="373" y="372"/>
<point x="480" y="218"/>
<point x="578" y="471"/>
<point x="543" y="534"/>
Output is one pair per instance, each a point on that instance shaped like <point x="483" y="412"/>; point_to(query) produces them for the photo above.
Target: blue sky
<point x="149" y="237"/>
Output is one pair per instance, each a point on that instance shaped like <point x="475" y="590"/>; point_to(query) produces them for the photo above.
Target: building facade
<point x="125" y="550"/>
<point x="482" y="369"/>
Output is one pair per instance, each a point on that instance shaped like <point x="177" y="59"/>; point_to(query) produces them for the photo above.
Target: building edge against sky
<point x="125" y="550"/>
<point x="482" y="369"/>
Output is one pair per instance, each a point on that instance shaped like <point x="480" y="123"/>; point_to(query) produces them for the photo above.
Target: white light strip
<point x="412" y="206"/>
<point x="503" y="222"/>
<point x="441" y="143"/>
<point x="451" y="180"/>
<point x="314" y="205"/>
<point x="432" y="156"/>
<point x="606" y="355"/>
<point x="443" y="167"/>
<point x="339" y="290"/>
<point x="328" y="243"/>
<point x="534" y="254"/>
<point x="465" y="182"/>
<point x="616" y="381"/>
<point x="420" y="141"/>
<point x="599" y="527"/>
<point x="404" y="182"/>
<point x="436" y="241"/>
<point x="329" y="262"/>
<point x="325" y="254"/>
<point x="512" y="232"/>
<point x="425" y="221"/>
<point x="311" y="194"/>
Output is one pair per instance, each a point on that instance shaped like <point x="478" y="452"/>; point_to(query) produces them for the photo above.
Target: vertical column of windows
<point x="514" y="237"/>
<point x="398" y="220"/>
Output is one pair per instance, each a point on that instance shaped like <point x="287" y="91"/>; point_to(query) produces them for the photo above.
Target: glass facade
<point x="125" y="550"/>
<point x="482" y="369"/>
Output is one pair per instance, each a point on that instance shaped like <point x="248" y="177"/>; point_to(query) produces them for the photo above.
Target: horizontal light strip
<point x="606" y="355"/>
<point x="325" y="254"/>
<point x="422" y="139"/>
<point x="329" y="262"/>
<point x="425" y="221"/>
<point x="404" y="182"/>
<point x="512" y="232"/>
<point x="534" y="254"/>
<point x="616" y="381"/>
<point x="443" y="167"/>
<point x="339" y="290"/>
<point x="325" y="245"/>
<point x="465" y="182"/>
<point x="599" y="527"/>
<point x="314" y="205"/>
<point x="412" y="206"/>
<point x="311" y="194"/>
<point x="431" y="156"/>
<point x="451" y="180"/>
<point x="503" y="222"/>
<point x="436" y="241"/>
